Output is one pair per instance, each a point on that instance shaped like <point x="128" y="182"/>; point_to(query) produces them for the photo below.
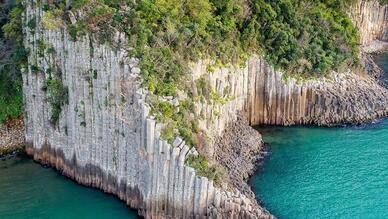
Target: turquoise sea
<point x="382" y="61"/>
<point x="30" y="191"/>
<point x="325" y="173"/>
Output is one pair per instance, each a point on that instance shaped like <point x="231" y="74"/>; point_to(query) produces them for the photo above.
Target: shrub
<point x="49" y="20"/>
<point x="201" y="166"/>
<point x="168" y="133"/>
<point x="13" y="26"/>
<point x="78" y="4"/>
<point x="11" y="107"/>
<point x="215" y="97"/>
<point x="77" y="30"/>
<point x="57" y="96"/>
<point x="101" y="14"/>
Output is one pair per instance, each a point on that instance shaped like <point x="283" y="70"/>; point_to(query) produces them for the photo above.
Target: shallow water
<point x="325" y="173"/>
<point x="382" y="61"/>
<point x="28" y="191"/>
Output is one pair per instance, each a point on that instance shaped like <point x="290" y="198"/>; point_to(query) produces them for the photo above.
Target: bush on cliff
<point x="202" y="167"/>
<point x="57" y="96"/>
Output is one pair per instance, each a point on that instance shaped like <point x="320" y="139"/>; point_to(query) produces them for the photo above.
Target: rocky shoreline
<point x="240" y="149"/>
<point x="375" y="47"/>
<point x="12" y="138"/>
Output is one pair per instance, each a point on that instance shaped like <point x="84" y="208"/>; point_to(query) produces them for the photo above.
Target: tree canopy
<point x="300" y="37"/>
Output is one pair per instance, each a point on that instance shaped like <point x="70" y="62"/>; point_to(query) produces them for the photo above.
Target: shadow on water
<point x="29" y="190"/>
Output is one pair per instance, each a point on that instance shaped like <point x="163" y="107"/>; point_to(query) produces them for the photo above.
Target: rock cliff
<point x="371" y="18"/>
<point x="269" y="97"/>
<point x="106" y="137"/>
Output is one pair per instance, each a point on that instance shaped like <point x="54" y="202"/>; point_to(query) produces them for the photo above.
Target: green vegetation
<point x="206" y="93"/>
<point x="297" y="36"/>
<point x="49" y="20"/>
<point x="306" y="37"/>
<point x="12" y="58"/>
<point x="202" y="168"/>
<point x="179" y="120"/>
<point x="57" y="96"/>
<point x="300" y="37"/>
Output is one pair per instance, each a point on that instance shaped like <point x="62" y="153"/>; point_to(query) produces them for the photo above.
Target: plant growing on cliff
<point x="57" y="96"/>
<point x="50" y="19"/>
<point x="300" y="37"/>
<point x="201" y="166"/>
<point x="178" y="120"/>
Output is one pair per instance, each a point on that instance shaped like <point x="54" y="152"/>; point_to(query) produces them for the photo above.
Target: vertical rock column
<point x="371" y="19"/>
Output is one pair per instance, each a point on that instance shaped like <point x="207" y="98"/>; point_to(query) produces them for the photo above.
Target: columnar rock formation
<point x="269" y="97"/>
<point x="371" y="18"/>
<point x="341" y="98"/>
<point x="106" y="137"/>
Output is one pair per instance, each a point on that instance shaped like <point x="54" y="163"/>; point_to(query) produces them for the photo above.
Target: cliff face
<point x="341" y="98"/>
<point x="371" y="18"/>
<point x="267" y="97"/>
<point x="105" y="136"/>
